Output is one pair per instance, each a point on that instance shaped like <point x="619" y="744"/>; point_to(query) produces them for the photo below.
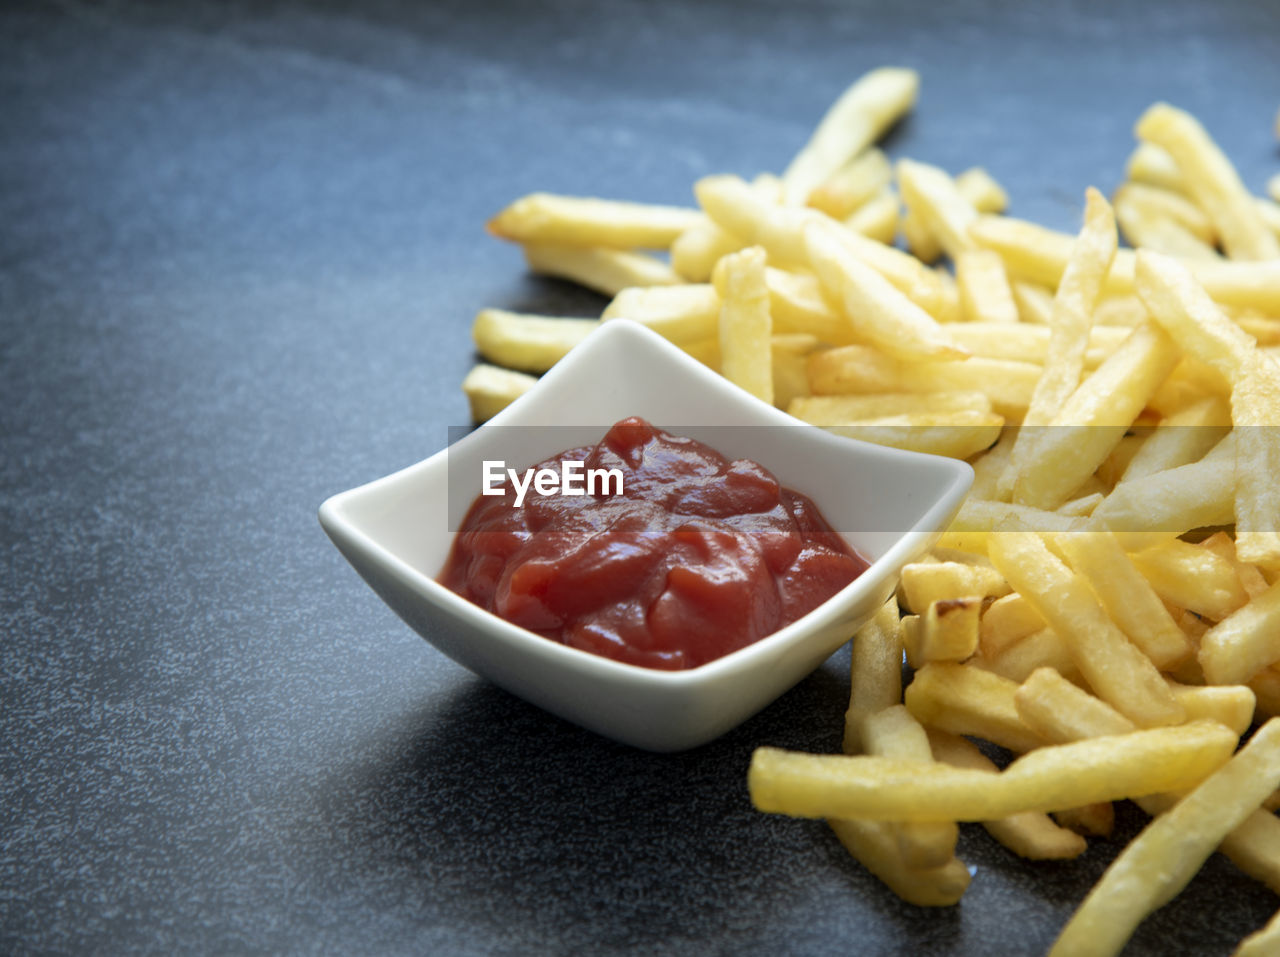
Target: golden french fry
<point x="1244" y="642"/>
<point x="1061" y="712"/>
<point x="1165" y="856"/>
<point x="1073" y="306"/>
<point x="856" y="120"/>
<point x="1048" y="779"/>
<point x="1030" y="834"/>
<point x="931" y="194"/>
<point x="878" y="311"/>
<point x="1005" y="622"/>
<point x="797" y="304"/>
<point x="1125" y="594"/>
<point x="842" y="409"/>
<point x="1094" y="418"/>
<point x="1092" y="820"/>
<point x="964" y="699"/>
<point x="877" y="218"/>
<point x="1182" y="438"/>
<point x="1156" y="201"/>
<point x="584" y="221"/>
<point x="1152" y="165"/>
<point x="947" y="631"/>
<point x="985" y="294"/>
<point x="745" y="324"/>
<point x="1175" y="500"/>
<point x="735" y="206"/>
<point x="1231" y="705"/>
<point x="1116" y="670"/>
<point x="607" y="271"/>
<point x="1041" y="649"/>
<point x="524" y="342"/>
<point x="1192" y="577"/>
<point x="893" y="733"/>
<point x="1211" y="180"/>
<point x="876" y="672"/>
<point x="680" y="314"/>
<point x="860" y="370"/>
<point x="1147" y="230"/>
<point x="925" y="583"/>
<point x="957" y="435"/>
<point x="875" y="845"/>
<point x="1036" y="254"/>
<point x="490" y="389"/>
<point x="695" y="252"/>
<point x="852" y="185"/>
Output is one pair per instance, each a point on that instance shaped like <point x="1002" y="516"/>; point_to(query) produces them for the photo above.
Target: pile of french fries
<point x="1106" y="606"/>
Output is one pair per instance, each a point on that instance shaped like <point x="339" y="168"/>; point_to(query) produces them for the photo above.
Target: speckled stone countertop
<point x="240" y="249"/>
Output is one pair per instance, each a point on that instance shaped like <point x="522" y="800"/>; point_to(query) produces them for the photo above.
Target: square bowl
<point x="888" y="504"/>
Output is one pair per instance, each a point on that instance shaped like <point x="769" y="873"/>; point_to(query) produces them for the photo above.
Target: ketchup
<point x="697" y="557"/>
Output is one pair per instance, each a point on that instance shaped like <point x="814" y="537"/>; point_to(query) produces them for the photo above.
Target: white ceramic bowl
<point x="395" y="531"/>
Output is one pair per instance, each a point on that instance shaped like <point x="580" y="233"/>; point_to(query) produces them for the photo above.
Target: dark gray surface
<point x="240" y="249"/>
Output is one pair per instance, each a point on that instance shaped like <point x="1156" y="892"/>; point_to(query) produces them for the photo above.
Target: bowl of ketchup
<point x="680" y="555"/>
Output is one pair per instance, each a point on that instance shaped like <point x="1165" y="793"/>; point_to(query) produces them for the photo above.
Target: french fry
<point x="947" y="631"/>
<point x="1125" y="595"/>
<point x="527" y="343"/>
<point x="680" y="314"/>
<point x="1157" y="202"/>
<point x="876" y="672"/>
<point x="1192" y="577"/>
<point x="1048" y="779"/>
<point x="856" y="120"/>
<point x="1244" y="642"/>
<point x="1035" y="302"/>
<point x="893" y="733"/>
<point x="1182" y="438"/>
<point x="1006" y="621"/>
<point x="978" y="187"/>
<point x="957" y="435"/>
<point x="1036" y="254"/>
<point x="1164" y="857"/>
<point x="1231" y="705"/>
<point x="985" y="295"/>
<point x="1041" y="649"/>
<point x="877" y="218"/>
<point x="1152" y="165"/>
<point x="1176" y="500"/>
<point x="1091" y="820"/>
<point x="545" y="217"/>
<point x="607" y="271"/>
<point x="860" y="370"/>
<point x="490" y="389"/>
<point x="924" y="584"/>
<point x="964" y="699"/>
<point x="1031" y="834"/>
<point x="797" y="304"/>
<point x="852" y="185"/>
<point x="1147" y="230"/>
<point x="745" y="324"/>
<point x="879" y="312"/>
<point x="931" y="194"/>
<point x="1062" y="713"/>
<point x="1094" y="418"/>
<point x="735" y="206"/>
<point x="875" y="845"/>
<point x="1211" y="180"/>
<point x="843" y="409"/>
<point x="1071" y="318"/>
<point x="695" y="252"/>
<point x="1116" y="670"/>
